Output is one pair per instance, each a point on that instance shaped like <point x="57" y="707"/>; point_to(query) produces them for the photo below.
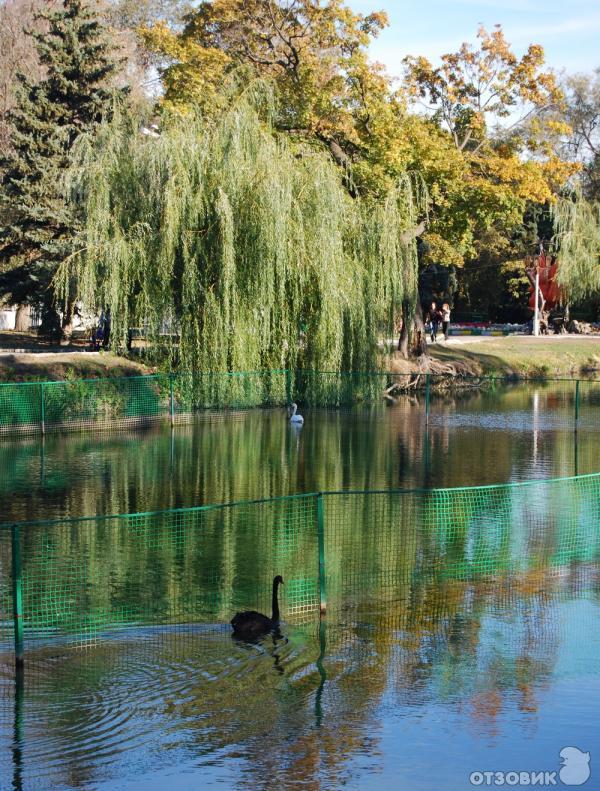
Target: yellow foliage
<point x="329" y="91"/>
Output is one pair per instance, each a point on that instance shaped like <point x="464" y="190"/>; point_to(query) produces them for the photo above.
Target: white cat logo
<point x="575" y="769"/>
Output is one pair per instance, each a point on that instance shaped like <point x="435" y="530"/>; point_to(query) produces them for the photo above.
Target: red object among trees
<point x="548" y="268"/>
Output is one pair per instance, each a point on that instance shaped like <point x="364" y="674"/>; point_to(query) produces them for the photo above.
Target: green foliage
<point x="249" y="248"/>
<point x="37" y="226"/>
<point x="577" y="223"/>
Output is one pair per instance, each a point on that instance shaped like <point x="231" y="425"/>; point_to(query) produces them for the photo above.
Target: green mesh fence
<point x="466" y="533"/>
<point x="333" y="389"/>
<point x="37" y="407"/>
<point x="33" y="408"/>
<point x="83" y="579"/>
<point x="21" y="408"/>
<point x="193" y="392"/>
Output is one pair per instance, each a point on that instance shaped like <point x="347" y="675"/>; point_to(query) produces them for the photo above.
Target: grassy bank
<point x="65" y="365"/>
<point x="560" y="355"/>
<point x="26" y="356"/>
<point x="553" y="356"/>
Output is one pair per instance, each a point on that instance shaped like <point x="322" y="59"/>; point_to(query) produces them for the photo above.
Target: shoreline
<point x="515" y="357"/>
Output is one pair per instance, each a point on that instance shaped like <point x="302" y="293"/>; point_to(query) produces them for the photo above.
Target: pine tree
<point x="37" y="226"/>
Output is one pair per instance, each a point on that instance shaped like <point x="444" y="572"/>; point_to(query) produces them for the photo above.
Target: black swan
<point x="251" y="624"/>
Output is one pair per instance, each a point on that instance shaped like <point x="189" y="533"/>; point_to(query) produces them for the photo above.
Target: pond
<point x="474" y="438"/>
<point x="413" y="679"/>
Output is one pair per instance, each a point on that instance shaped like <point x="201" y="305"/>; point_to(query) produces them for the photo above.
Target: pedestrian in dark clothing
<point x="107" y="322"/>
<point x="97" y="337"/>
<point x="434" y="317"/>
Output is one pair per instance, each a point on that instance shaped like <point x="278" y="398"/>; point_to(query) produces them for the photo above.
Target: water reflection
<point x="413" y="679"/>
<point x="472" y="438"/>
<point x="376" y="692"/>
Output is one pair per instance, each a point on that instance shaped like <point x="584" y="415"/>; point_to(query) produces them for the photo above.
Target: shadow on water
<point x="322" y="674"/>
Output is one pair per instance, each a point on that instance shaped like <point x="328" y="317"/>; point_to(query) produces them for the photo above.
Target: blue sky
<point x="569" y="30"/>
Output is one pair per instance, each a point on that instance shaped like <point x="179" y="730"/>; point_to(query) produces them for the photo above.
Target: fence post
<point x="171" y="400"/>
<point x="576" y="404"/>
<point x="17" y="596"/>
<point x="427" y="396"/>
<point x="288" y="385"/>
<point x="42" y="409"/>
<point x="321" y="537"/>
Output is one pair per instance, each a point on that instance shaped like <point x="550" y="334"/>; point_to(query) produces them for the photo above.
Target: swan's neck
<point x="294" y="409"/>
<point x="275" y="603"/>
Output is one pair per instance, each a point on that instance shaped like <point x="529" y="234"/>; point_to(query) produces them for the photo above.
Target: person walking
<point x="434" y="317"/>
<point x="107" y="321"/>
<point x="446" y="319"/>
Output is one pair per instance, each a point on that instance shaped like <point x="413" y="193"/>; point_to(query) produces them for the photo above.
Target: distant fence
<point x="83" y="404"/>
<point x="74" y="582"/>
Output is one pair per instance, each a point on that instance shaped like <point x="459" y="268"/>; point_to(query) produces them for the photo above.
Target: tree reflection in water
<point x="482" y="656"/>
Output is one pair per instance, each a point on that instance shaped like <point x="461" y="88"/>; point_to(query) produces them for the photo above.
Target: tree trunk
<point x="403" y="339"/>
<point x="413" y="338"/>
<point x="420" y="335"/>
<point x="23" y="319"/>
<point x="67" y="324"/>
<point x="50" y="326"/>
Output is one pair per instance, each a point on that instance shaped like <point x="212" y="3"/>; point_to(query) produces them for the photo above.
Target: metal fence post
<point x="171" y="400"/>
<point x="42" y="409"/>
<point x="576" y="404"/>
<point x="427" y="396"/>
<point x="321" y="538"/>
<point x="17" y="596"/>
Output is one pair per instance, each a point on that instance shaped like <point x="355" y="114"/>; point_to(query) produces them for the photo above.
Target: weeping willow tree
<point x="247" y="247"/>
<point x="577" y="224"/>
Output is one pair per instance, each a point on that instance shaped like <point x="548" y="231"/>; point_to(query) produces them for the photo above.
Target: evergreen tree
<point x="37" y="226"/>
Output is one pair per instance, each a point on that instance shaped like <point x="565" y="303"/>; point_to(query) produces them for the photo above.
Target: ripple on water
<point x="457" y="667"/>
<point x="141" y="695"/>
<point x="514" y="420"/>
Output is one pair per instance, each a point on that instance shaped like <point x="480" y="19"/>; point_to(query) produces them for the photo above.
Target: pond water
<point x="413" y="681"/>
<point x="415" y="695"/>
<point x="474" y="438"/>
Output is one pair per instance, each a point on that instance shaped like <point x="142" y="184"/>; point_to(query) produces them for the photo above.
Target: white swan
<point x="297" y="419"/>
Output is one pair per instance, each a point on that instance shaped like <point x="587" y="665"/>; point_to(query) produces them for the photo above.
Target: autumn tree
<point x="328" y="92"/>
<point x="315" y="53"/>
<point x="473" y="88"/>
<point x="499" y="112"/>
<point x="490" y="150"/>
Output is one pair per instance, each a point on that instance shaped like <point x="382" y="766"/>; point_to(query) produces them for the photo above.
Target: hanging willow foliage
<point x="246" y="246"/>
<point x="577" y="224"/>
